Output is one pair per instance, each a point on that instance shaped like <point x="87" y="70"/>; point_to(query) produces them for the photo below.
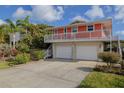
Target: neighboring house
<point x="82" y="40"/>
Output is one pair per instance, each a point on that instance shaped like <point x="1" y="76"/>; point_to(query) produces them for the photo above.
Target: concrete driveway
<point x="50" y="73"/>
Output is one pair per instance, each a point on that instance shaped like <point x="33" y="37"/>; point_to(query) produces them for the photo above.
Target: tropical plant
<point x="1" y="36"/>
<point x="24" y="23"/>
<point x="22" y="58"/>
<point x="27" y="39"/>
<point x="13" y="28"/>
<point x="3" y="33"/>
<point x="22" y="47"/>
<point x="37" y="54"/>
<point x="14" y="52"/>
<point x="4" y="50"/>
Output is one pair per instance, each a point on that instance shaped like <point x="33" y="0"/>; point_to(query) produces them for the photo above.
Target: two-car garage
<point x="83" y="51"/>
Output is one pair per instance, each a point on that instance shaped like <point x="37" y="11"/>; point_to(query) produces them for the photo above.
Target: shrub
<point x="11" y="63"/>
<point x="122" y="64"/>
<point x="22" y="47"/>
<point x="109" y="57"/>
<point x="1" y="54"/>
<point x="22" y="58"/>
<point x="38" y="42"/>
<point x="14" y="52"/>
<point x="4" y="50"/>
<point x="10" y="59"/>
<point x="37" y="54"/>
<point x="103" y="68"/>
<point x="27" y="39"/>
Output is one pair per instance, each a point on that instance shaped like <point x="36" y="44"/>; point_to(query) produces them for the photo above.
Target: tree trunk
<point x="26" y="31"/>
<point x="122" y="64"/>
<point x="111" y="65"/>
<point x="14" y="40"/>
<point x="107" y="65"/>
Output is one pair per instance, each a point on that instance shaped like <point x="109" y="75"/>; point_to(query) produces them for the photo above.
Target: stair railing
<point x="48" y="52"/>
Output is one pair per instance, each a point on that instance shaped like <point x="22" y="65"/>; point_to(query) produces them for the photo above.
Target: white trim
<point x="49" y="38"/>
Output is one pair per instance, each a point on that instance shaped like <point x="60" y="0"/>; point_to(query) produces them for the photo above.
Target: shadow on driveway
<point x="85" y="69"/>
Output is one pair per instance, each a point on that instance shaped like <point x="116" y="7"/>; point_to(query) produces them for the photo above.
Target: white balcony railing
<point x="78" y="36"/>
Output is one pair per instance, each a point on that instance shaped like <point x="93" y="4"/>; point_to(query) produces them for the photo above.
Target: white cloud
<point x="108" y="8"/>
<point x="120" y="32"/>
<point x="119" y="13"/>
<point x="21" y="13"/>
<point x="118" y="7"/>
<point x="41" y="13"/>
<point x="79" y="18"/>
<point x="95" y="12"/>
<point x="2" y="22"/>
<point x="47" y="13"/>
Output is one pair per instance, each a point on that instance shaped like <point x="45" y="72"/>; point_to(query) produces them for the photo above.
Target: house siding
<point x="98" y="26"/>
<point x="96" y="34"/>
<point x="82" y="28"/>
<point x="69" y="29"/>
<point x="60" y="30"/>
<point x="99" y="30"/>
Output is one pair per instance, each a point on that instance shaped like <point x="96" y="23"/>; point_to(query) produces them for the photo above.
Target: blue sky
<point x="63" y="15"/>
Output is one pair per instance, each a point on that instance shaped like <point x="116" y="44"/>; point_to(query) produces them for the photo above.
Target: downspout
<point x="110" y="42"/>
<point x="111" y="39"/>
<point x="119" y="45"/>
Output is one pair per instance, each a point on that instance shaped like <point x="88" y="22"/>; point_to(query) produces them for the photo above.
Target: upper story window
<point x="90" y="28"/>
<point x="74" y="29"/>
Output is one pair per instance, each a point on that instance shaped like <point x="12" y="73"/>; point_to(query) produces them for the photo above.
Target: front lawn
<point x="103" y="80"/>
<point x="4" y="65"/>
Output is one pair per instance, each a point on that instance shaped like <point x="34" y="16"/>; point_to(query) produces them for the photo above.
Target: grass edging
<point x="4" y="65"/>
<point x="102" y="80"/>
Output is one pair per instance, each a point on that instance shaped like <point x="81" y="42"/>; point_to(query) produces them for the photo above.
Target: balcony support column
<point x="73" y="51"/>
<point x="54" y="50"/>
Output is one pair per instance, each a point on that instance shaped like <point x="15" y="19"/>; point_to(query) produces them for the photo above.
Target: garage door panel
<point x="64" y="52"/>
<point x="86" y="52"/>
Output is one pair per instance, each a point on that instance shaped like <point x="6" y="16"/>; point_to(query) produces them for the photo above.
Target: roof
<point x="85" y="23"/>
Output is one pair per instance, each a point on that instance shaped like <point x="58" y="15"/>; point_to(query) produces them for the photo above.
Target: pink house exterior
<point x="80" y="40"/>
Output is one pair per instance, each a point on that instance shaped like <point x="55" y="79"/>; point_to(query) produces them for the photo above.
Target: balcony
<point x="79" y="36"/>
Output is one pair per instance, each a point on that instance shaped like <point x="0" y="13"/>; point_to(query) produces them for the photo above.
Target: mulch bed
<point x="116" y="69"/>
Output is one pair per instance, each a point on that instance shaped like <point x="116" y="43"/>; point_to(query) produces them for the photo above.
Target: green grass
<point x="4" y="65"/>
<point x="102" y="80"/>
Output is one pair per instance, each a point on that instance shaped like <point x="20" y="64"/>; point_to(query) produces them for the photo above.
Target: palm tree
<point x="13" y="28"/>
<point x="24" y="23"/>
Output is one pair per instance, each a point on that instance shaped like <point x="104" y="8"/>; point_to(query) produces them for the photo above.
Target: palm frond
<point x="20" y="23"/>
<point x="27" y="19"/>
<point x="10" y="23"/>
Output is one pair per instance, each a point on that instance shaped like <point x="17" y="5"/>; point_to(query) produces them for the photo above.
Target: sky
<point x="62" y="15"/>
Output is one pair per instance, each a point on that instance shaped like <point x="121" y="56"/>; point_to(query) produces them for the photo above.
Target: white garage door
<point x="64" y="52"/>
<point x="86" y="52"/>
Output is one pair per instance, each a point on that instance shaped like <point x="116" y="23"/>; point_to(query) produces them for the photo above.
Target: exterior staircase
<point x="48" y="53"/>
